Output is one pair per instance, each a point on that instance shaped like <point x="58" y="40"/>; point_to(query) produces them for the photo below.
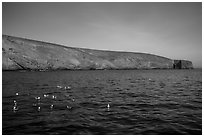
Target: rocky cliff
<point x="182" y="64"/>
<point x="25" y="54"/>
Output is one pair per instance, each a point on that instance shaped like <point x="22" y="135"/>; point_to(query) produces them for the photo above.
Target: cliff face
<point x="182" y="64"/>
<point x="19" y="53"/>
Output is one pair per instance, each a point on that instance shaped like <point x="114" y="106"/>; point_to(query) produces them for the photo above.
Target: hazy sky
<point x="173" y="30"/>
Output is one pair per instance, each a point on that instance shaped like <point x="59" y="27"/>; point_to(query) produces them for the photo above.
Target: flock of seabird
<point x="15" y="107"/>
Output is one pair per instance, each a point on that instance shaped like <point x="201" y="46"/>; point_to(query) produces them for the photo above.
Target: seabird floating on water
<point x="59" y="86"/>
<point x="45" y="95"/>
<point x="14" y="101"/>
<point x="38" y="98"/>
<point x="68" y="107"/>
<point x="15" y="108"/>
<point x="68" y="87"/>
<point x="39" y="108"/>
<point x="54" y="97"/>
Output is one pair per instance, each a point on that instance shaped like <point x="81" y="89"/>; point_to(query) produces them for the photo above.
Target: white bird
<point x="14" y="101"/>
<point x="38" y="98"/>
<point x="108" y="106"/>
<point x="17" y="94"/>
<point x="45" y="95"/>
<point x="59" y="86"/>
<point x="68" y="87"/>
<point x="68" y="107"/>
<point x="38" y="108"/>
<point x="54" y="97"/>
<point x="15" y="108"/>
<point x="15" y="105"/>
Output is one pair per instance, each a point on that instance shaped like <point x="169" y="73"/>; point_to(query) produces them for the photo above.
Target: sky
<point x="172" y="30"/>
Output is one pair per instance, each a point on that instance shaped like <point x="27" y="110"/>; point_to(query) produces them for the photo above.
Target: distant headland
<point x="25" y="54"/>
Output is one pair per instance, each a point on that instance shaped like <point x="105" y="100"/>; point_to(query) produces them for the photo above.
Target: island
<point x="26" y="54"/>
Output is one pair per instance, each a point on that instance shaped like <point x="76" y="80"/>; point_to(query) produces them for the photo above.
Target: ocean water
<point x="136" y="102"/>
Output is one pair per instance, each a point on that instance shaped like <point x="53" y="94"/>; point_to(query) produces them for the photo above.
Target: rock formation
<point x="182" y="64"/>
<point x="25" y="54"/>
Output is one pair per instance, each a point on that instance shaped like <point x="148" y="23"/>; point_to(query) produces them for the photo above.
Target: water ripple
<point x="163" y="102"/>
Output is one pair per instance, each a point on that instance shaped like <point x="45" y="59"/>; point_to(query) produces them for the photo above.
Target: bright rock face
<point x="25" y="54"/>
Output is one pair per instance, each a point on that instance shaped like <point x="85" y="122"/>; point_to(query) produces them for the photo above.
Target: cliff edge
<point x="26" y="54"/>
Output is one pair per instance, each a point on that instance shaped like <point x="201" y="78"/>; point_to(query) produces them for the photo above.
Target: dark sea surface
<point x="76" y="102"/>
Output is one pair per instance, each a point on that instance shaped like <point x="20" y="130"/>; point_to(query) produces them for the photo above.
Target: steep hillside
<point x="19" y="53"/>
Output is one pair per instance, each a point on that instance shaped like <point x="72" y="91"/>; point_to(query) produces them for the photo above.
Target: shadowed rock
<point x="182" y="64"/>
